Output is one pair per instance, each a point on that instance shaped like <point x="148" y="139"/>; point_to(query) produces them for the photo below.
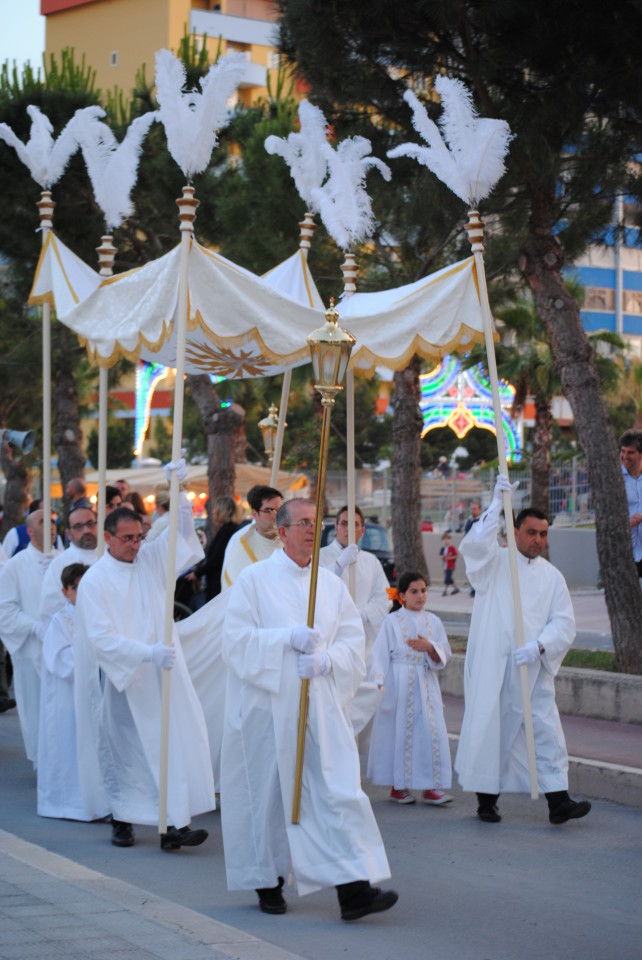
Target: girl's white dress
<point x="409" y="745"/>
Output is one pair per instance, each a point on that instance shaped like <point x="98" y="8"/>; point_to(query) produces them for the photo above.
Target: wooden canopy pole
<point x="106" y="254"/>
<point x="475" y="230"/>
<point x="187" y="213"/>
<point x="46" y="208"/>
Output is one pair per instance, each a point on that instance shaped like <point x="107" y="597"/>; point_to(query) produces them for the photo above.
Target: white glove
<point x="304" y="639"/>
<point x="162" y="656"/>
<point x="314" y="664"/>
<point x="181" y="470"/>
<point x="529" y="653"/>
<point x="347" y="556"/>
<point x="503" y="483"/>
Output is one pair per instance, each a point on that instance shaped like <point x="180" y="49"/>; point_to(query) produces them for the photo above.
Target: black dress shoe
<point x="271" y="899"/>
<point x="374" y="900"/>
<point x="7" y="703"/>
<point x="489" y="814"/>
<point x="122" y="834"/>
<point x="183" y="837"/>
<point x="569" y="810"/>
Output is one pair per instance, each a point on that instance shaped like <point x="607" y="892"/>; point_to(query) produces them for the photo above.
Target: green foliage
<point x="120" y="445"/>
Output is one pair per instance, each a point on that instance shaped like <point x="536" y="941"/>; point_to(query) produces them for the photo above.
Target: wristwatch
<point x="541" y="648"/>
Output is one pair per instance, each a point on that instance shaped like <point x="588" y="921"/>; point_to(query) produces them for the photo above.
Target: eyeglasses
<point x="77" y="527"/>
<point x="270" y="510"/>
<point x="131" y="537"/>
<point x="304" y="524"/>
<point x="358" y="522"/>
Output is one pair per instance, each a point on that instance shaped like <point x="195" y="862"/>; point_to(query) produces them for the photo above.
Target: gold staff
<point x="330" y="348"/>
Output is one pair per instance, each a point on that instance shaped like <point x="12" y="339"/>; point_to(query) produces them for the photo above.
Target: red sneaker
<point x="401" y="796"/>
<point x="436" y="797"/>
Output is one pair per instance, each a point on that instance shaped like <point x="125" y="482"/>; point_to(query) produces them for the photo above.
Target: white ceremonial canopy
<point x="62" y="279"/>
<point x="241" y="326"/>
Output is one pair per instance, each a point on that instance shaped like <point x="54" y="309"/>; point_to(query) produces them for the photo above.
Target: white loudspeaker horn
<point x="24" y="441"/>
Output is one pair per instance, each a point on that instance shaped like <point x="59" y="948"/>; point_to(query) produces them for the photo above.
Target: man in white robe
<point x="491" y="756"/>
<point x="372" y="602"/>
<point x="81" y="533"/>
<point x="22" y="629"/>
<point x="268" y="650"/>
<point x="120" y="618"/>
<point x="258" y="540"/>
<point x="59" y="793"/>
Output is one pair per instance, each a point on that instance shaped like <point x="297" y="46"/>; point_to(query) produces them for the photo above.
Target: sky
<point x="22" y="32"/>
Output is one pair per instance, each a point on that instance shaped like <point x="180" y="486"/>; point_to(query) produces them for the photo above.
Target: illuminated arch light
<point x="462" y="399"/>
<point x="148" y="376"/>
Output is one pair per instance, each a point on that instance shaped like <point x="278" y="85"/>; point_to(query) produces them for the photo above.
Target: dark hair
<point x="72" y="573"/>
<point x="33" y="506"/>
<point x="120" y="513"/>
<point x="257" y="496"/>
<point x="529" y="512"/>
<point x="111" y="492"/>
<point x="136" y="501"/>
<point x="357" y="510"/>
<point x="404" y="582"/>
<point x="632" y="438"/>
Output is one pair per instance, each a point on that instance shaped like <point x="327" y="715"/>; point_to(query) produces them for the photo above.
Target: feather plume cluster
<point x="342" y="201"/>
<point x="304" y="151"/>
<point x="112" y="166"/>
<point x="46" y="158"/>
<point x="191" y="118"/>
<point x="469" y="157"/>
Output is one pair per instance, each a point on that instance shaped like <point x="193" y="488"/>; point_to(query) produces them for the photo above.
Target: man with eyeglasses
<point x="119" y="627"/>
<point x="259" y="540"/>
<point x="268" y="649"/>
<point x="22" y="629"/>
<point x="82" y="535"/>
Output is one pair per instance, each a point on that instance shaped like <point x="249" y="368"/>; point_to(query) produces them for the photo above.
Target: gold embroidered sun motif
<point x="227" y="362"/>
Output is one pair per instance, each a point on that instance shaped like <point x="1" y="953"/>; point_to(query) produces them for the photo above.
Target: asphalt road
<point x="519" y="890"/>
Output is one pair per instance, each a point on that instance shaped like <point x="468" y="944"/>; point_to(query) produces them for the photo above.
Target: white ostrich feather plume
<point x="342" y="201"/>
<point x="192" y="119"/>
<point x="112" y="166"/>
<point x="469" y="158"/>
<point x="304" y="151"/>
<point x="45" y="157"/>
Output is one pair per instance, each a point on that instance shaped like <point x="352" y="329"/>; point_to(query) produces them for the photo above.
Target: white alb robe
<point x="59" y="793"/>
<point x="244" y="547"/>
<point x="119" y="614"/>
<point x="52" y="598"/>
<point x="409" y="743"/>
<point x="372" y="603"/>
<point x="491" y="756"/>
<point x="22" y="630"/>
<point x="337" y="839"/>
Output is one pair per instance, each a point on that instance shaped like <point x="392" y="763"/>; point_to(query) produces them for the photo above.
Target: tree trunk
<point x="407" y="422"/>
<point x="541" y="462"/>
<point x="67" y="435"/>
<point x="16" y="491"/>
<point x="221" y="427"/>
<point x="541" y="263"/>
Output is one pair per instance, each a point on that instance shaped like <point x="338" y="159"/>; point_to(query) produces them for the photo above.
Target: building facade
<point x="117" y="38"/>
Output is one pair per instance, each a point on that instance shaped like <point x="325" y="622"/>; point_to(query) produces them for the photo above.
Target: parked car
<point x="375" y="540"/>
<point x="427" y="525"/>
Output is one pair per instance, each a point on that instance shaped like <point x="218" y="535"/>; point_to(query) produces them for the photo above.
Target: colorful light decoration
<point x="462" y="399"/>
<point x="148" y="376"/>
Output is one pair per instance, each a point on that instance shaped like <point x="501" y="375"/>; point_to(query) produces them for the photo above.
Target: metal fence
<point x="569" y="495"/>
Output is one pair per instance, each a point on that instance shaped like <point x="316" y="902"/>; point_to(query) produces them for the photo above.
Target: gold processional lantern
<point x="330" y="348"/>
<point x="268" y="426"/>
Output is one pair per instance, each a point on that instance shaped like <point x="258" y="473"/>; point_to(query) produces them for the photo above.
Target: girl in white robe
<point x="409" y="745"/>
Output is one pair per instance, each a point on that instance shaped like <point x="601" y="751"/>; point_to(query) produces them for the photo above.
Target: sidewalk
<point x="52" y="907"/>
<point x="591" y="617"/>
